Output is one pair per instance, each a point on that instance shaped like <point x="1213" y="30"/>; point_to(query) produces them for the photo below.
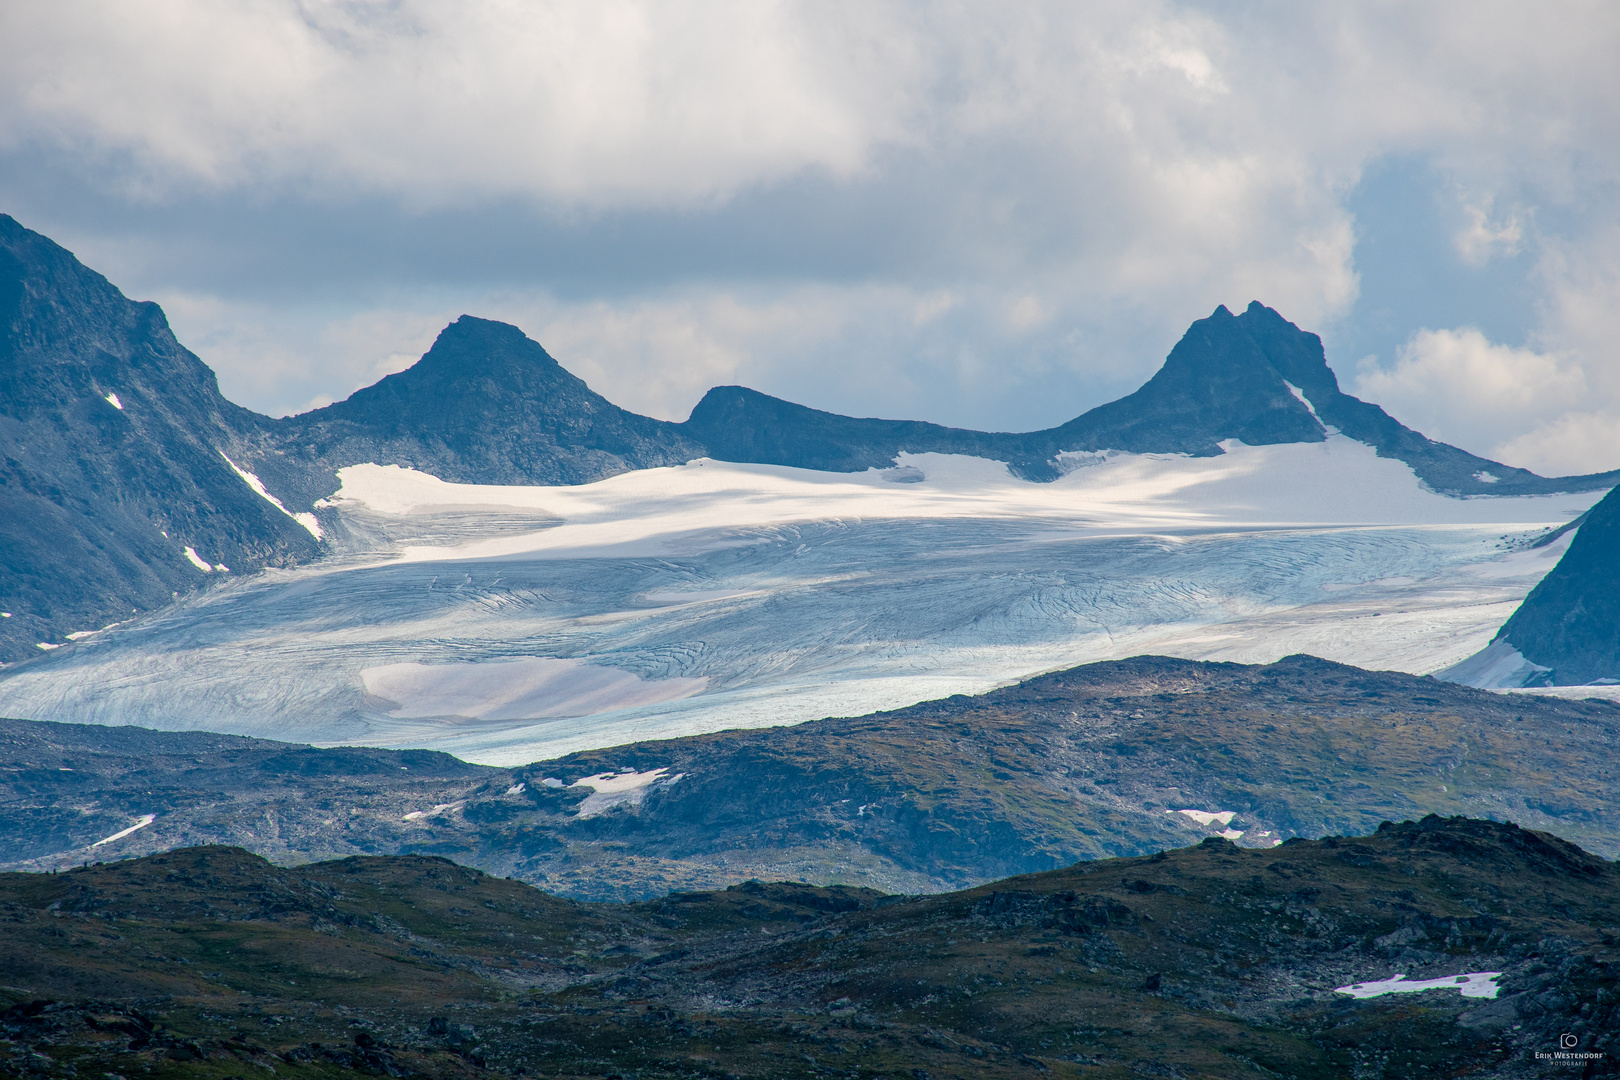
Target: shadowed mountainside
<point x="1206" y="962"/>
<point x="111" y="436"/>
<point x="1570" y="622"/>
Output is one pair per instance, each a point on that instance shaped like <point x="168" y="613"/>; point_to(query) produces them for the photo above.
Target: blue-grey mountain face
<point x="484" y="405"/>
<point x="110" y="456"/>
<point x="1570" y="622"/>
<point x="118" y="489"/>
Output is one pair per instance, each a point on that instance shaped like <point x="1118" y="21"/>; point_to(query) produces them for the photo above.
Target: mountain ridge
<point x="137" y="438"/>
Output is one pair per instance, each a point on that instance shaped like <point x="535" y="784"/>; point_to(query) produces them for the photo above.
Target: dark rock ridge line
<point x="117" y="448"/>
<point x="1080" y="764"/>
<point x="1229" y="377"/>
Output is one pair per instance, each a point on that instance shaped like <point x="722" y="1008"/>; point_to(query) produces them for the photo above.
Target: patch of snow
<point x="308" y="521"/>
<point x="1222" y="818"/>
<point x="552" y="782"/>
<point x="112" y="399"/>
<point x="222" y="568"/>
<point x="1498" y="666"/>
<point x="614" y="789"/>
<point x="442" y="808"/>
<point x="1487" y="478"/>
<point x="1305" y="401"/>
<point x="198" y="561"/>
<point x="1476" y="984"/>
<point x="515" y="789"/>
<point x="523" y="689"/>
<point x="145" y="820"/>
<point x="5" y="614"/>
<point x="1232" y="834"/>
<point x="47" y="645"/>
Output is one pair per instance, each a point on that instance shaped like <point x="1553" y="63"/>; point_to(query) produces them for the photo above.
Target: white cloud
<point x="1575" y="443"/>
<point x="589" y="101"/>
<point x="1484" y="238"/>
<point x="1458" y="387"/>
<point x="1088" y="177"/>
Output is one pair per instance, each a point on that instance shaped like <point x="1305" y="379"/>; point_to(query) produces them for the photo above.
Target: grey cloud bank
<point x="978" y="215"/>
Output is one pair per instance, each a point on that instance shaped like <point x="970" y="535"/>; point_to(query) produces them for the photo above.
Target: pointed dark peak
<point x="1299" y="358"/>
<point x="1216" y="384"/>
<point x="485" y="343"/>
<point x="487" y="405"/>
<point x="1297" y="355"/>
<point x="475" y="366"/>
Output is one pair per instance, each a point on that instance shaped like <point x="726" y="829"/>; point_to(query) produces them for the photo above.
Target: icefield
<point x="511" y="624"/>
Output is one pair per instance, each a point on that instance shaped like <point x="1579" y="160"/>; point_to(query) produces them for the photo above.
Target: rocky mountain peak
<point x="1216" y="384"/>
<point x="115" y="495"/>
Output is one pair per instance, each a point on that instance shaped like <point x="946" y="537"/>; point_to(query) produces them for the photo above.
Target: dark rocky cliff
<point x="1570" y="622"/>
<point x="99" y="501"/>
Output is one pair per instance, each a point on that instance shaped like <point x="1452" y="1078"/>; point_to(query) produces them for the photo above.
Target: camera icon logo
<point x="1567" y="1041"/>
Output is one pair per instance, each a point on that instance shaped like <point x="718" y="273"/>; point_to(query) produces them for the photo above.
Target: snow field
<point x="678" y="601"/>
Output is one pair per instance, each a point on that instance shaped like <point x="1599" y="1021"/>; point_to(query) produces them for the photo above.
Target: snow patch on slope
<point x="621" y="788"/>
<point x="1498" y="666"/>
<point x="145" y="820"/>
<point x="1476" y="984"/>
<point x="308" y="521"/>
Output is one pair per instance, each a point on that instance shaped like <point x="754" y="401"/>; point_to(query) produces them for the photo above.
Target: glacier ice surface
<point x="510" y="624"/>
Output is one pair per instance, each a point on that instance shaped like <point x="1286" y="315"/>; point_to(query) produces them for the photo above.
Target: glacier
<point x="511" y="624"/>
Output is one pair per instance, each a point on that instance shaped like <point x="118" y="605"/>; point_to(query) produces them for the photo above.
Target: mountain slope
<point x="1567" y="631"/>
<point x="1205" y="963"/>
<point x="111" y="436"/>
<point x="1081" y="764"/>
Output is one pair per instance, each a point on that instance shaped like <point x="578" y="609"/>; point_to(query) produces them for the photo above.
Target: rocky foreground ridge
<point x="1212" y="961"/>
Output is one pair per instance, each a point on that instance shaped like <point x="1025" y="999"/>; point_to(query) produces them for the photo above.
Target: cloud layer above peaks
<point x="985" y="214"/>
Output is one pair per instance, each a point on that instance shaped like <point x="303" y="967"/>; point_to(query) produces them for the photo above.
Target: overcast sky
<point x="993" y="215"/>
